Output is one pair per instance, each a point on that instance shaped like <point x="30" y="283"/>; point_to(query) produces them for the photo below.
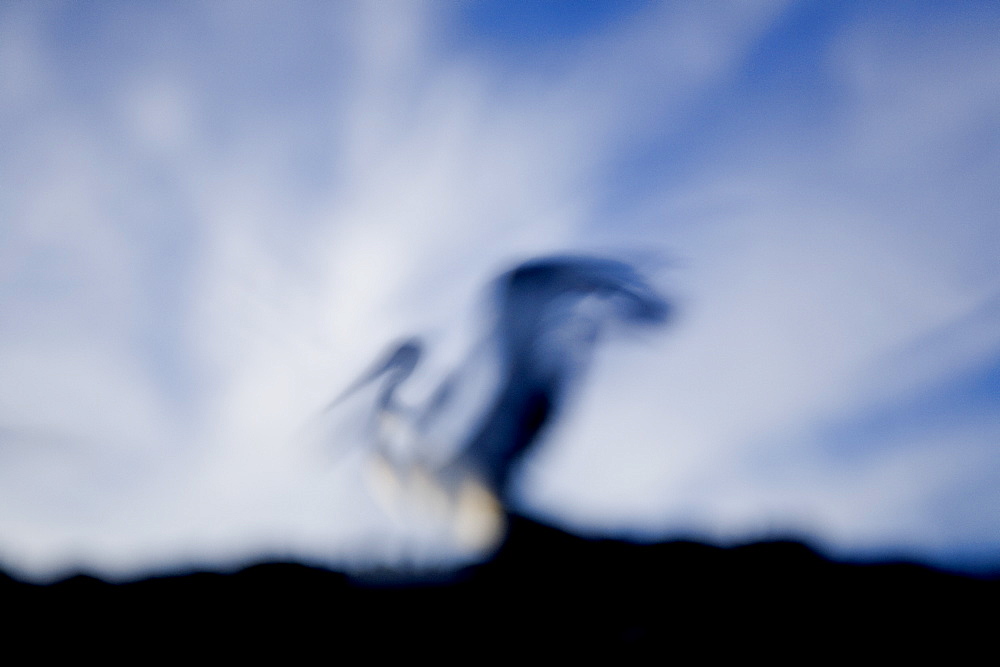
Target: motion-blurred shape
<point x="550" y="314"/>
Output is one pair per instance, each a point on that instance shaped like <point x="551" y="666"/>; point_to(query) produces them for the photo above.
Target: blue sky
<point x="214" y="215"/>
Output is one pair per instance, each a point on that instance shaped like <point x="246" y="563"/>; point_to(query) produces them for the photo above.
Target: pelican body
<point x="550" y="313"/>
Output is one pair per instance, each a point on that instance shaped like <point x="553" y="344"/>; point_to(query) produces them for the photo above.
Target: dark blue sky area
<point x="527" y="23"/>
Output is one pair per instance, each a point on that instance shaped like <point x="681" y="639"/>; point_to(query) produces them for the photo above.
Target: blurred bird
<point x="550" y="313"/>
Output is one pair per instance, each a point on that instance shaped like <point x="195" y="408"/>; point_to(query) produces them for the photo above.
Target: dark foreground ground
<point x="545" y="591"/>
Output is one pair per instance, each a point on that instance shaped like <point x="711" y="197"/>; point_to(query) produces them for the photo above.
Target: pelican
<point x="550" y="314"/>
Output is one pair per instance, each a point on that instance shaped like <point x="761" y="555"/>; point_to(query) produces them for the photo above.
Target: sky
<point x="215" y="216"/>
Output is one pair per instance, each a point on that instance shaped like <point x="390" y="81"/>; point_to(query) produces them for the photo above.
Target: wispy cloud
<point x="214" y="216"/>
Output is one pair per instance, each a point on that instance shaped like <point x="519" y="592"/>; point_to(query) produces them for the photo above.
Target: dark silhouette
<point x="544" y="590"/>
<point x="550" y="314"/>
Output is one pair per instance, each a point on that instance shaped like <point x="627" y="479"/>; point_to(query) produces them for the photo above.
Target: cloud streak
<point x="210" y="213"/>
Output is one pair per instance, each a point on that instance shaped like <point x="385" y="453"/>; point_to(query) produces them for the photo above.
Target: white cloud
<point x="212" y="241"/>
